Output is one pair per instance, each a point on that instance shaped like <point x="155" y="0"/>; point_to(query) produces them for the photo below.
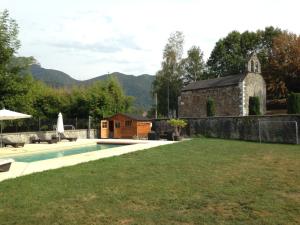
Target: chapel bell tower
<point x="253" y="64"/>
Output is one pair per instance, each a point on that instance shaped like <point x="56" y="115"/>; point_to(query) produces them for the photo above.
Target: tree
<point x="230" y="53"/>
<point x="284" y="61"/>
<point x="9" y="43"/>
<point x="20" y="65"/>
<point x="193" y="66"/>
<point x="174" y="48"/>
<point x="227" y="57"/>
<point x="101" y="99"/>
<point x="168" y="83"/>
<point x="14" y="89"/>
<point x="177" y="124"/>
<point x="78" y="106"/>
<point x="20" y="92"/>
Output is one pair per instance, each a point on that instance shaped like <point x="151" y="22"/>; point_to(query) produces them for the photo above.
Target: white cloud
<point x="92" y="37"/>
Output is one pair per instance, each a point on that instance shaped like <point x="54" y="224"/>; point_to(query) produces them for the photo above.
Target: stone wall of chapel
<point x="228" y="101"/>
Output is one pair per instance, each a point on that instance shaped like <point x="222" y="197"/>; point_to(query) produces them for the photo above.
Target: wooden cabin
<point x="123" y="125"/>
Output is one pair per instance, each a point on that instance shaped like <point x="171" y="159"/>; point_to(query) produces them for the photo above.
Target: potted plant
<point x="177" y="124"/>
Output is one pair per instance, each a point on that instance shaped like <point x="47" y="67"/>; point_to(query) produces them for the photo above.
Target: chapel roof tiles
<point x="216" y="82"/>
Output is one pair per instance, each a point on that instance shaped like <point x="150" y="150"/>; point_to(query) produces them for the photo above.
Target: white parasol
<point x="60" y="125"/>
<point x="10" y="115"/>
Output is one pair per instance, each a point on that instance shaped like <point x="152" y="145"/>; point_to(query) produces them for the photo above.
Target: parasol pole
<point x="1" y="134"/>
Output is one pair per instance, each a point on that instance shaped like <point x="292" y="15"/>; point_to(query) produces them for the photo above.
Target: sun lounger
<point x="5" y="164"/>
<point x="42" y="138"/>
<point x="64" y="137"/>
<point x="8" y="141"/>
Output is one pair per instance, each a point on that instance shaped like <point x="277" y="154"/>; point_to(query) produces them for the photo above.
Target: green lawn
<point x="203" y="181"/>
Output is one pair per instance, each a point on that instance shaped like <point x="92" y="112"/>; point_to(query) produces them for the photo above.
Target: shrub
<point x="294" y="103"/>
<point x="177" y="124"/>
<point x="254" y="105"/>
<point x="210" y="107"/>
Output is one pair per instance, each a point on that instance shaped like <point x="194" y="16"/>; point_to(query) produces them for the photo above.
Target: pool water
<point x="62" y="153"/>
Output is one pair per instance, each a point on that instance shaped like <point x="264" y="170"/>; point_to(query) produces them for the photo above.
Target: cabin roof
<point x="216" y="82"/>
<point x="132" y="116"/>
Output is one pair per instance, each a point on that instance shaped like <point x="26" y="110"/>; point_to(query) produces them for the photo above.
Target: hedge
<point x="254" y="105"/>
<point x="294" y="103"/>
<point x="210" y="107"/>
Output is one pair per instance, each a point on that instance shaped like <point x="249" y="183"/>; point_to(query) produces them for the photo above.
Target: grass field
<point x="202" y="181"/>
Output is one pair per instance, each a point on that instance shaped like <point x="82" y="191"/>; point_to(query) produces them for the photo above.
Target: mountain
<point x="53" y="78"/>
<point x="136" y="86"/>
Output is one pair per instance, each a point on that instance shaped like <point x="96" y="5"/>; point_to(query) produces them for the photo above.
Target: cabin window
<point x="117" y="124"/>
<point x="128" y="123"/>
<point x="104" y="124"/>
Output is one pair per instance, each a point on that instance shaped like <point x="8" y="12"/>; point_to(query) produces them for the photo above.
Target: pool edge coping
<point x="23" y="168"/>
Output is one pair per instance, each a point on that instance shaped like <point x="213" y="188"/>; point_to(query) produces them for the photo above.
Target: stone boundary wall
<point x="25" y="136"/>
<point x="240" y="128"/>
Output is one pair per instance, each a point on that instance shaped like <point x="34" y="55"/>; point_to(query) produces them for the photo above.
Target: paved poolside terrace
<point x="18" y="169"/>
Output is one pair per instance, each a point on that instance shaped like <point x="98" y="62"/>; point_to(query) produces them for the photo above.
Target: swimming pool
<point x="61" y="153"/>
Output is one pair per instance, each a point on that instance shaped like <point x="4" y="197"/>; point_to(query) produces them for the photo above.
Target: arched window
<point x="252" y="66"/>
<point x="256" y="67"/>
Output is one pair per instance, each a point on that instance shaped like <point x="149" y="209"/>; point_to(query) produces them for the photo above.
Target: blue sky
<point x="88" y="38"/>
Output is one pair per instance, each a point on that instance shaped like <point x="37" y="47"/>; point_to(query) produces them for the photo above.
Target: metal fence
<point x="37" y="124"/>
<point x="278" y="131"/>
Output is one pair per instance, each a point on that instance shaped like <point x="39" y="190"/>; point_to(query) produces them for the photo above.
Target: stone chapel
<point x="230" y="93"/>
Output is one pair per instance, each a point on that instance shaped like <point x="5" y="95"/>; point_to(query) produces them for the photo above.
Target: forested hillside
<point x="137" y="86"/>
